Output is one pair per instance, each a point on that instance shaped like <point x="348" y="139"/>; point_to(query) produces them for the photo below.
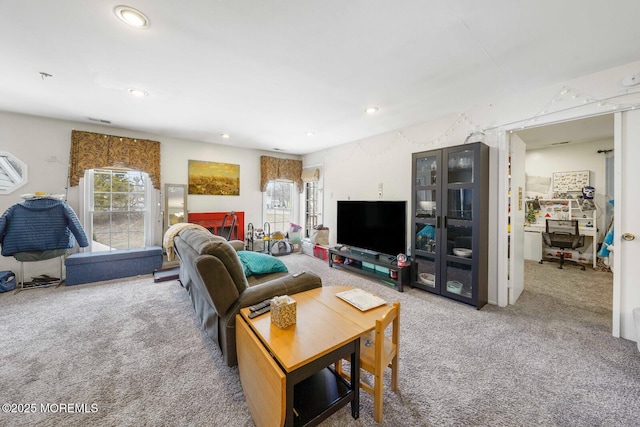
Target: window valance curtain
<point x="272" y="168"/>
<point x="95" y="150"/>
<point x="310" y="175"/>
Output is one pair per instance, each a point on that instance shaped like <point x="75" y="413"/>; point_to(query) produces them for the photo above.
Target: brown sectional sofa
<point x="212" y="273"/>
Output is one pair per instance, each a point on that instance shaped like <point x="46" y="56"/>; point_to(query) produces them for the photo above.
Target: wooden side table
<point x="287" y="374"/>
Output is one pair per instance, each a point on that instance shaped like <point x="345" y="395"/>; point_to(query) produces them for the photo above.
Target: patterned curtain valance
<point x="272" y="168"/>
<point x="95" y="150"/>
<point x="310" y="175"/>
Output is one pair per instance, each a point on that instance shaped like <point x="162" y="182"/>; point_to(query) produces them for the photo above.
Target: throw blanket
<point x="167" y="242"/>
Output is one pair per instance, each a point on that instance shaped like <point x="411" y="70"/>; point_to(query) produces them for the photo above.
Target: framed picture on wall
<point x="213" y="178"/>
<point x="570" y="181"/>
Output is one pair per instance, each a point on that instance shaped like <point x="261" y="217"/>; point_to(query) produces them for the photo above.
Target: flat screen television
<point x="379" y="226"/>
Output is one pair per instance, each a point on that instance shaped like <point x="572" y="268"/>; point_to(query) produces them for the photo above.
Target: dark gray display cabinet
<point x="450" y="223"/>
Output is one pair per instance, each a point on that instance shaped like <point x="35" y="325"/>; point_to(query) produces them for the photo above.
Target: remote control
<point x="259" y="312"/>
<point x="299" y="273"/>
<point x="261" y="305"/>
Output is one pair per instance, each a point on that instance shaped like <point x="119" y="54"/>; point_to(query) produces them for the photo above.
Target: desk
<point x="534" y="245"/>
<point x="286" y="374"/>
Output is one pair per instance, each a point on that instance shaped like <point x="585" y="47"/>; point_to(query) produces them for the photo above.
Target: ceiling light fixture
<point x="310" y="133"/>
<point x="138" y="93"/>
<point x="225" y="135"/>
<point x="371" y="110"/>
<point x="132" y="17"/>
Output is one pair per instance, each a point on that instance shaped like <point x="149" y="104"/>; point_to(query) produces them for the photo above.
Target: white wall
<point x="44" y="144"/>
<point x="574" y="157"/>
<point x="355" y="169"/>
<point x="570" y="157"/>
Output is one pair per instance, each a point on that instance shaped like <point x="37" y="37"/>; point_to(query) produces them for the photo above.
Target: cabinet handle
<point x="437" y="222"/>
<point x="445" y="221"/>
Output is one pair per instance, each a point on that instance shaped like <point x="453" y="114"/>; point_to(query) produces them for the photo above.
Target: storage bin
<point x="321" y="252"/>
<point x="368" y="266"/>
<point x="382" y="270"/>
<point x="307" y="247"/>
<point x="295" y="236"/>
<point x="320" y="236"/>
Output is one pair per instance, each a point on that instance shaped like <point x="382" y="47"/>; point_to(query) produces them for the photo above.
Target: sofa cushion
<point x="258" y="263"/>
<point x="89" y="267"/>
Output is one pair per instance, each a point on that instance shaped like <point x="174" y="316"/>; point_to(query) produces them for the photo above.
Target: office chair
<point x="563" y="235"/>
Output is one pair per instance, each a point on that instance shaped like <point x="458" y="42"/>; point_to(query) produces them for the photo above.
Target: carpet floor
<point x="131" y="353"/>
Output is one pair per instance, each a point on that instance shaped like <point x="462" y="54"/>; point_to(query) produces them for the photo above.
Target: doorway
<point x="573" y="146"/>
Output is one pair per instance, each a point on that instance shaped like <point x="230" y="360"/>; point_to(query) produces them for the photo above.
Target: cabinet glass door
<point x="425" y="250"/>
<point x="460" y="203"/>
<point x="427" y="170"/>
<point x="459" y="280"/>
<point x="426" y="186"/>
<point x="460" y="166"/>
<point x="426" y="204"/>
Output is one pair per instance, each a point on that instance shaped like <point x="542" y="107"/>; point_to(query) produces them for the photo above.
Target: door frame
<point x="503" y="264"/>
<point x="626" y="295"/>
<point x="517" y="182"/>
<point x="617" y="213"/>
<point x="502" y="273"/>
<point x="503" y="182"/>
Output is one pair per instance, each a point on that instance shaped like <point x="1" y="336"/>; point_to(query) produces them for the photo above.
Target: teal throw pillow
<point x="259" y="263"/>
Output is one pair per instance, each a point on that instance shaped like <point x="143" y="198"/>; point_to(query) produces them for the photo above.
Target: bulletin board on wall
<point x="570" y="181"/>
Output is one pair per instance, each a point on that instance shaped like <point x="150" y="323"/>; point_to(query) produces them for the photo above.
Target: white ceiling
<point x="591" y="129"/>
<point x="267" y="72"/>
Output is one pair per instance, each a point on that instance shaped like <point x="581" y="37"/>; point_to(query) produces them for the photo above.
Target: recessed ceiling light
<point x="371" y="110"/>
<point x="132" y="17"/>
<point x="138" y="92"/>
<point x="310" y="133"/>
<point x="225" y="135"/>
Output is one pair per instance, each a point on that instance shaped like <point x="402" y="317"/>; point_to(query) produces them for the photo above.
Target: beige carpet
<point x="134" y="351"/>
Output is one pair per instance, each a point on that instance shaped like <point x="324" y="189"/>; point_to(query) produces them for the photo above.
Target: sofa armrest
<point x="238" y="245"/>
<point x="286" y="285"/>
<point x="220" y="289"/>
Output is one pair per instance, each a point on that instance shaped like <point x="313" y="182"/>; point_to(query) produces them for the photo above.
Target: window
<point x="118" y="208"/>
<point x="278" y="201"/>
<point x="13" y="173"/>
<point x="311" y="206"/>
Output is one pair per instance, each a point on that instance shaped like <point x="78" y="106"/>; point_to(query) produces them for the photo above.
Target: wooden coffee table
<point x="287" y="374"/>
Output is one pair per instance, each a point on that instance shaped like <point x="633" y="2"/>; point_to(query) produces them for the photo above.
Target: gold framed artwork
<point x="213" y="178"/>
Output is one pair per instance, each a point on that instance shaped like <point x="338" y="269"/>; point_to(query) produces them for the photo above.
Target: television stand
<point x="365" y="253"/>
<point x="383" y="267"/>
